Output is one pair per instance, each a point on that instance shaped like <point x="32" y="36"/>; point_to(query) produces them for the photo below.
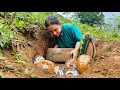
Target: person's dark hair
<point x="51" y="20"/>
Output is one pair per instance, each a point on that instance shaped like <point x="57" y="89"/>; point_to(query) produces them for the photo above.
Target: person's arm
<point x="77" y="37"/>
<point x="56" y="43"/>
<point x="75" y="51"/>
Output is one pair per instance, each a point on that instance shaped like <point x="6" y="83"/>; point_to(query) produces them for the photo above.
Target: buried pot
<point x="46" y="65"/>
<point x="37" y="58"/>
<point x="59" y="54"/>
<point x="83" y="63"/>
<point x="71" y="63"/>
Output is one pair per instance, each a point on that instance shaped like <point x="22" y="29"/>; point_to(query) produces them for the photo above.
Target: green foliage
<point x="6" y="35"/>
<point x="13" y="22"/>
<point x="37" y="18"/>
<point x="115" y="34"/>
<point x="114" y="23"/>
<point x="90" y="18"/>
<point x="19" y="23"/>
<point x="95" y="31"/>
<point x="2" y="74"/>
<point x="33" y="75"/>
<point x="30" y="73"/>
<point x="18" y="57"/>
<point x="118" y="25"/>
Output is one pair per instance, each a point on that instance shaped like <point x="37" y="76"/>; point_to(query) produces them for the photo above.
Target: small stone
<point x="11" y="67"/>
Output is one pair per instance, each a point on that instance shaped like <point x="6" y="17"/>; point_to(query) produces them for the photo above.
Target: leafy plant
<point x="2" y="74"/>
<point x="6" y="35"/>
<point x="33" y="75"/>
<point x="30" y="73"/>
<point x="13" y="22"/>
<point x="18" y="57"/>
<point x="19" y="23"/>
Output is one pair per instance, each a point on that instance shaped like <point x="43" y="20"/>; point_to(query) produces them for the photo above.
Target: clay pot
<point x="83" y="63"/>
<point x="71" y="63"/>
<point x="37" y="59"/>
<point x="47" y="66"/>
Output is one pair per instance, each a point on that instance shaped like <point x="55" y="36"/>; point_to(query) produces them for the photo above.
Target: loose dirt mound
<point x="107" y="61"/>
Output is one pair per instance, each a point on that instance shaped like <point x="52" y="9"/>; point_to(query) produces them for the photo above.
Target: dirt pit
<point x="106" y="64"/>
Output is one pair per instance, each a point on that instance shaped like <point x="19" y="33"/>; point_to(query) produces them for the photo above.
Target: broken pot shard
<point x="56" y="70"/>
<point x="72" y="73"/>
<point x="83" y="63"/>
<point x="59" y="71"/>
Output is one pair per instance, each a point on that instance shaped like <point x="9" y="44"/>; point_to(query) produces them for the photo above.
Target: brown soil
<point x="106" y="64"/>
<point x="107" y="61"/>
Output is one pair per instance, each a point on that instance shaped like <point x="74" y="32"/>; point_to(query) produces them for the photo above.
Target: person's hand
<point x="56" y="46"/>
<point x="74" y="53"/>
